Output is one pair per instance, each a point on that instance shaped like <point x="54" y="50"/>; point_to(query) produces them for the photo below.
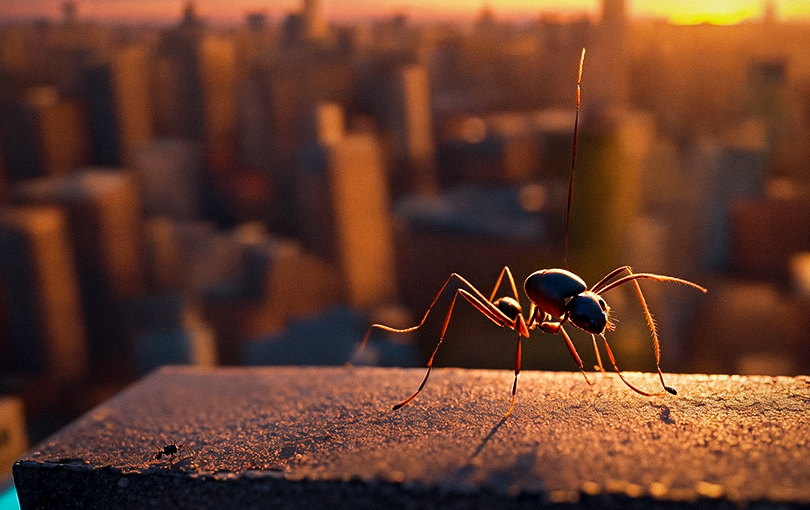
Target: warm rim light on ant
<point x="557" y="297"/>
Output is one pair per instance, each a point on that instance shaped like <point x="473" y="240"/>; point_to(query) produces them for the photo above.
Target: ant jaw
<point x="671" y="390"/>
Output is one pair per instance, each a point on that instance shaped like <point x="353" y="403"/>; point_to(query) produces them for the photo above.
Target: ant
<point x="172" y="449"/>
<point x="557" y="297"/>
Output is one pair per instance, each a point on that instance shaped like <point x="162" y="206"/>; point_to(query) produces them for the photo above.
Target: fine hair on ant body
<point x="557" y="297"/>
<point x="172" y="449"/>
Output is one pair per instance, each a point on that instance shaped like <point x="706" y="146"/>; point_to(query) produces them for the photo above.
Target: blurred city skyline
<point x="675" y="11"/>
<point x="260" y="193"/>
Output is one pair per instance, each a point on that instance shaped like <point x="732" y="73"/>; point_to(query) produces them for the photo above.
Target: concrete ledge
<point x="326" y="438"/>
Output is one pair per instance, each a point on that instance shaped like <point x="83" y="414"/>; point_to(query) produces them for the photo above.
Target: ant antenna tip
<point x="671" y="390"/>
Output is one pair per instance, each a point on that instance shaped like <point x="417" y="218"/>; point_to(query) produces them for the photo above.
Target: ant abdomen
<point x="509" y="307"/>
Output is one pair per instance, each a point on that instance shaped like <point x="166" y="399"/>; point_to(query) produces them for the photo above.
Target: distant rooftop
<point x="494" y="212"/>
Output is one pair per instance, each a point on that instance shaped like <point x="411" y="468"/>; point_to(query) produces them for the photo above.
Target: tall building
<point x="315" y="24"/>
<point x="170" y="178"/>
<point x="724" y="174"/>
<point x="44" y="323"/>
<point x="607" y="64"/>
<point x="120" y="108"/>
<point x="607" y="190"/>
<point x="253" y="124"/>
<point x="196" y="91"/>
<point x="346" y="215"/>
<point x="412" y="130"/>
<point x="217" y="56"/>
<point x="104" y="221"/>
<point x="130" y="68"/>
<point x="780" y="224"/>
<point x="252" y="283"/>
<point x="42" y="134"/>
<point x="178" y="100"/>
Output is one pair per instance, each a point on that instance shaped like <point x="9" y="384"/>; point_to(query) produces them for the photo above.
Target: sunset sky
<point x="682" y="11"/>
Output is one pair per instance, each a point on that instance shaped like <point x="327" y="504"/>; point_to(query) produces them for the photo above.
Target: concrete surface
<point x="323" y="437"/>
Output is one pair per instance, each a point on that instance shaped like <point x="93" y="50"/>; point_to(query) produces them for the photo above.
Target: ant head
<point x="550" y="289"/>
<point x="589" y="312"/>
<point x="158" y="455"/>
<point x="170" y="449"/>
<point x="509" y="307"/>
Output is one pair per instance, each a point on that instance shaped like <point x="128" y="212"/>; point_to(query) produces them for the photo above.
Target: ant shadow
<point x="664" y="414"/>
<point x="488" y="437"/>
<point x="512" y="478"/>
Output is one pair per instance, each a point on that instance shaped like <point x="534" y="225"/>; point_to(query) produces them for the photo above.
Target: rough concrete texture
<point x="327" y="438"/>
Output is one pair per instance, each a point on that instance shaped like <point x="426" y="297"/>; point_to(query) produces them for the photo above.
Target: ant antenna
<point x="573" y="162"/>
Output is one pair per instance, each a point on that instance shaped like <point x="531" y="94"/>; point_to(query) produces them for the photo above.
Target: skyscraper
<point x="41" y="294"/>
<point x="42" y="134"/>
<point x="103" y="215"/>
<point x="607" y="65"/>
<point x="412" y="131"/>
<point x="345" y="204"/>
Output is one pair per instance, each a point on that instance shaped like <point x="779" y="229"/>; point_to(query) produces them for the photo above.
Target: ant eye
<point x="602" y="304"/>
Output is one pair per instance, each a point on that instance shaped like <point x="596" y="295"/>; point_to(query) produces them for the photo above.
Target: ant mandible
<point x="557" y="296"/>
<point x="172" y="449"/>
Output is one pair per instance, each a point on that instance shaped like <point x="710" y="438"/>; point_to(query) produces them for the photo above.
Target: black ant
<point x="172" y="449"/>
<point x="557" y="296"/>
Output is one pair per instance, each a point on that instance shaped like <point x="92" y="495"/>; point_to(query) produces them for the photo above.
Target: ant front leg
<point x="599" y="365"/>
<point x="574" y="354"/>
<point x="517" y="373"/>
<point x="625" y="381"/>
<point x="557" y="327"/>
<point x="605" y="284"/>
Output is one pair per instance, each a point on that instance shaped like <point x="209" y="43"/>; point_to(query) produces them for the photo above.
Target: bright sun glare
<point x="716" y="12"/>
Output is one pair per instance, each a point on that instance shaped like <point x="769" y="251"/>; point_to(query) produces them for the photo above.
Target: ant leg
<point x="598" y="357"/>
<point x="191" y="452"/>
<point x="634" y="277"/>
<point x="656" y="344"/>
<point x="517" y="372"/>
<point x="470" y="286"/>
<point x="483" y="306"/>
<point x="508" y="273"/>
<point x="171" y="462"/>
<point x="625" y="381"/>
<point x="573" y="351"/>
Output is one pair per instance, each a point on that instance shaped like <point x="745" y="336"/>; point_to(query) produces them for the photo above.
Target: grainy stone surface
<point x="327" y="438"/>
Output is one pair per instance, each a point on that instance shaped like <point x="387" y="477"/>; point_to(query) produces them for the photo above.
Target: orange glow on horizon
<point x="716" y="12"/>
<point x="677" y="11"/>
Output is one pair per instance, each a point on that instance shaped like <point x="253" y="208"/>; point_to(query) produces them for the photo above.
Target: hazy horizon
<point x="685" y="11"/>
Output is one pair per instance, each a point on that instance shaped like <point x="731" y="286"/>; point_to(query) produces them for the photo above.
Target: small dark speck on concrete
<point x="318" y="437"/>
